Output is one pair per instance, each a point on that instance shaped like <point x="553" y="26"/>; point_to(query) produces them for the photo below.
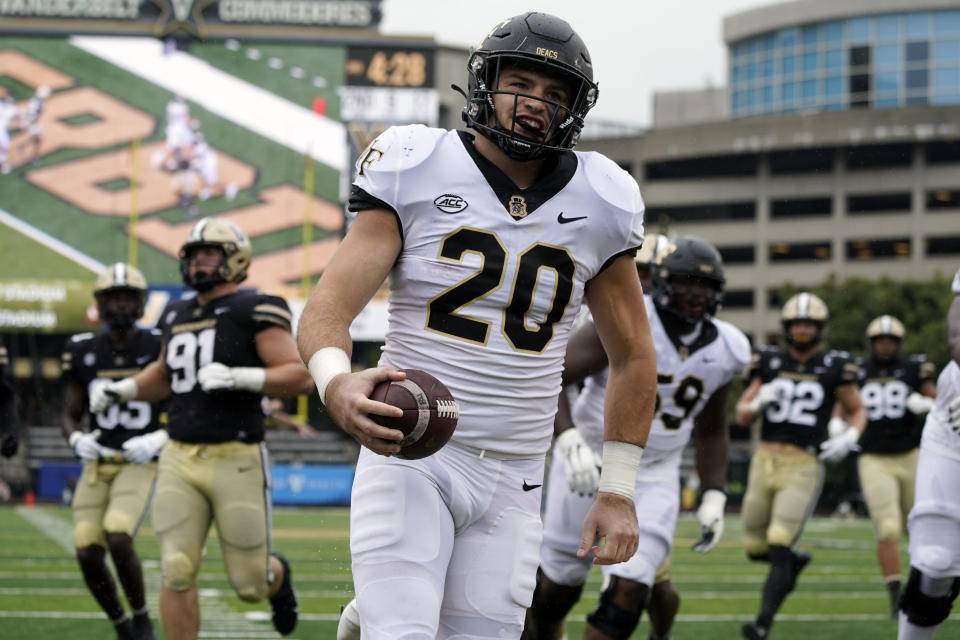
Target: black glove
<point x="9" y="445"/>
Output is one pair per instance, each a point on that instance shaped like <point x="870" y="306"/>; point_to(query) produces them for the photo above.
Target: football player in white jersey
<point x="934" y="521"/>
<point x="492" y="242"/>
<point x="697" y="355"/>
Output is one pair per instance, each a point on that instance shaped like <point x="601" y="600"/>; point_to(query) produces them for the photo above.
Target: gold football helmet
<point x="804" y="306"/>
<point x="120" y="277"/>
<point x="226" y="236"/>
<point x="885" y="326"/>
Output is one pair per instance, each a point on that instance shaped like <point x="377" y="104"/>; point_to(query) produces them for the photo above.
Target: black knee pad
<point x="923" y="610"/>
<point x="612" y="619"/>
<point x="554" y="600"/>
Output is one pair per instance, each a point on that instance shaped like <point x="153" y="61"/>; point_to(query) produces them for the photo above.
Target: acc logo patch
<point x="449" y="203"/>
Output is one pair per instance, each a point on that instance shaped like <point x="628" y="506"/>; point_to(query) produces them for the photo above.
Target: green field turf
<point x="840" y="595"/>
<point x="103" y="237"/>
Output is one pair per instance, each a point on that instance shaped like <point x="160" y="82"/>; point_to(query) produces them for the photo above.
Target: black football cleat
<point x="125" y="630"/>
<point x="284" y="602"/>
<point x="142" y="627"/>
<point x="753" y="631"/>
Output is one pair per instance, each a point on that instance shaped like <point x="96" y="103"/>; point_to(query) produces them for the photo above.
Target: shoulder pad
<point x="272" y="309"/>
<point x="610" y="182"/>
<point x="398" y="148"/>
<point x="736" y="342"/>
<point x="82" y="337"/>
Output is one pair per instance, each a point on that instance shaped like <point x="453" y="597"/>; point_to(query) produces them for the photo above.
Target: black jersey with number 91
<point x="805" y="393"/>
<point x="224" y="330"/>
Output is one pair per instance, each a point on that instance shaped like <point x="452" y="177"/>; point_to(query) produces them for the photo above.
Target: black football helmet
<point x="226" y="236"/>
<point x="692" y="257"/>
<point x="120" y="277"/>
<point x="804" y="306"/>
<point x="543" y="43"/>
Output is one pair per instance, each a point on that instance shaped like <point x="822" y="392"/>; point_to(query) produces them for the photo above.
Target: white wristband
<point x="249" y="378"/>
<point x="620" y="463"/>
<point x="325" y="365"/>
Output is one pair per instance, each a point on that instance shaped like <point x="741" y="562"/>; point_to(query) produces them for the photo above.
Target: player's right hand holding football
<point x="348" y="403"/>
<point x="105" y="396"/>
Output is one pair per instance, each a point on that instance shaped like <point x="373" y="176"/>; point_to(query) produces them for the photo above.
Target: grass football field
<point x="840" y="594"/>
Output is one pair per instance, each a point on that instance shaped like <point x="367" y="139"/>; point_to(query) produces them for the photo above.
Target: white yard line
<point x="50" y="242"/>
<point x="218" y="619"/>
<point x="237" y="100"/>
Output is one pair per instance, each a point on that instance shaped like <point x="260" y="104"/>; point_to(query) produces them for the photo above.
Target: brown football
<point x="430" y="413"/>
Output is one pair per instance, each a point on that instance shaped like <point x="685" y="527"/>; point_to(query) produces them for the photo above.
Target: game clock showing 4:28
<point x="390" y="67"/>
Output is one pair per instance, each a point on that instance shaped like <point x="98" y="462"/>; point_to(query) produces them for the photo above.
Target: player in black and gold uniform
<point x="895" y="390"/>
<point x="795" y="389"/>
<point x="222" y="351"/>
<point x="118" y="451"/>
<point x="10" y="440"/>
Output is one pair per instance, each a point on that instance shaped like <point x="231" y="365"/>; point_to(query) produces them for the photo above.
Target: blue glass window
<point x="809" y="62"/>
<point x="947" y="98"/>
<point x="833" y="31"/>
<point x="887" y="81"/>
<point x="916" y="79"/>
<point x="946" y="22"/>
<point x="767" y="68"/>
<point x="858" y="29"/>
<point x="888" y="55"/>
<point x="833" y="59"/>
<point x="948" y="78"/>
<point x="888" y="27"/>
<point x="752" y="95"/>
<point x="886" y="103"/>
<point x="833" y="86"/>
<point x="768" y="98"/>
<point x="767" y="43"/>
<point x="736" y="73"/>
<point x="947" y="51"/>
<point x="788" y="91"/>
<point x="809" y="34"/>
<point x="737" y="100"/>
<point x="918" y="24"/>
<point x="808" y="90"/>
<point x="919" y="99"/>
<point x="788" y="65"/>
<point x="787" y="37"/>
<point x="750" y="46"/>
<point x="833" y="106"/>
<point x="917" y="51"/>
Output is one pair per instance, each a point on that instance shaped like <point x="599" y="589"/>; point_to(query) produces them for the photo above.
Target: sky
<point x="638" y="46"/>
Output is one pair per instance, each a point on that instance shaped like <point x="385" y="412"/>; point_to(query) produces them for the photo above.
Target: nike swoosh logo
<point x="530" y="487"/>
<point x="563" y="220"/>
